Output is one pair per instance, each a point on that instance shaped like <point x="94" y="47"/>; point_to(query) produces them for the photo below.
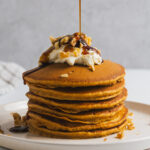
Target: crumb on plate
<point x="8" y="134"/>
<point x="130" y="114"/>
<point x="130" y="125"/>
<point x="18" y="119"/>
<point x="120" y="135"/>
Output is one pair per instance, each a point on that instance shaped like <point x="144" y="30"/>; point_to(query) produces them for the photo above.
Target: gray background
<point x="121" y="28"/>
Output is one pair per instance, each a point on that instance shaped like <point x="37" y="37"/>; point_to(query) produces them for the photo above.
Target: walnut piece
<point x="18" y="120"/>
<point x="130" y="114"/>
<point x="64" y="40"/>
<point x="64" y="54"/>
<point x="56" y="44"/>
<point x="52" y="39"/>
<point x="64" y="75"/>
<point x="130" y="125"/>
<point x="120" y="135"/>
<point x="73" y="42"/>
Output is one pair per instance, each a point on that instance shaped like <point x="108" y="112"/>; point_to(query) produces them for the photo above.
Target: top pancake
<point x="105" y="74"/>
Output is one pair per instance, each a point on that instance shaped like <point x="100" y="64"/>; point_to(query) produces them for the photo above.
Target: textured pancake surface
<point x="88" y="93"/>
<point x="81" y="104"/>
<point x="78" y="106"/>
<point x="88" y="117"/>
<point x="63" y="125"/>
<point x="105" y="74"/>
<point x="43" y="131"/>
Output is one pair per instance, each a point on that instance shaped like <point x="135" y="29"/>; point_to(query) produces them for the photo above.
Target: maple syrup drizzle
<point x="39" y="67"/>
<point x="80" y="39"/>
<point x="19" y="129"/>
<point x="31" y="71"/>
<point x="80" y="17"/>
<point x="86" y="47"/>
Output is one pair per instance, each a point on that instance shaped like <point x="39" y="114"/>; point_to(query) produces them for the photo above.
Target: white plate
<point x="138" y="139"/>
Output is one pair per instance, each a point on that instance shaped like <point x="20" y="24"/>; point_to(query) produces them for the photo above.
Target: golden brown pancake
<point x="43" y="131"/>
<point x="87" y="117"/>
<point x="80" y="93"/>
<point x="78" y="101"/>
<point x="63" y="125"/>
<point x="50" y="76"/>
<point x="78" y="106"/>
<point x="74" y="102"/>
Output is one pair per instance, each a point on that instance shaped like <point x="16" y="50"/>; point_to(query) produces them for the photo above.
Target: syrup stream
<point x="80" y="17"/>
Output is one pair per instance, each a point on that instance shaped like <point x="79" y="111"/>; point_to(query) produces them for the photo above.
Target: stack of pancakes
<point x="74" y="102"/>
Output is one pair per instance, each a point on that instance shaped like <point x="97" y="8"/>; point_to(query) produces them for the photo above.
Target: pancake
<point x="74" y="93"/>
<point x="73" y="121"/>
<point x="62" y="125"/>
<point x="43" y="131"/>
<point x="80" y="93"/>
<point x="88" y="117"/>
<point x="78" y="106"/>
<point x="50" y="76"/>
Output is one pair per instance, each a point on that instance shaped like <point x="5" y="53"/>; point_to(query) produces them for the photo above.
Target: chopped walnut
<point x="88" y="41"/>
<point x="64" y="40"/>
<point x="18" y="120"/>
<point x="64" y="75"/>
<point x="64" y="54"/>
<point x="73" y="42"/>
<point x="8" y="134"/>
<point x="52" y="39"/>
<point x="130" y="114"/>
<point x="56" y="44"/>
<point x="120" y="135"/>
<point x="130" y="126"/>
<point x="70" y="43"/>
<point x="76" y="52"/>
<point x="81" y="45"/>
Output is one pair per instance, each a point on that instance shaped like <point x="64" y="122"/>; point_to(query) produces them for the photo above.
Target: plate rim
<point x="69" y="141"/>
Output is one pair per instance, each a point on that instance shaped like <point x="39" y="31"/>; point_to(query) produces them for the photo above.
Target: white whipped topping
<point x="75" y="57"/>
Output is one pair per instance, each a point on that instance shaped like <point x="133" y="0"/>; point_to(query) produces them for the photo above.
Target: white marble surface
<point x="137" y="83"/>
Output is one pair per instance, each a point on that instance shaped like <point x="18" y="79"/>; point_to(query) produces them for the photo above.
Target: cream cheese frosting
<point x="75" y="57"/>
<point x="73" y="49"/>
